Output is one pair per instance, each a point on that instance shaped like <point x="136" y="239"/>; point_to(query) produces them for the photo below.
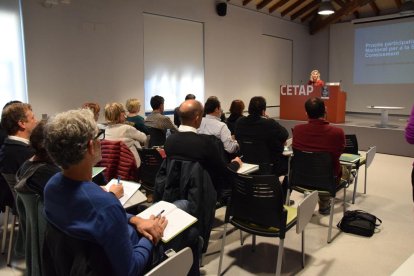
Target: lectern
<point x="293" y="98"/>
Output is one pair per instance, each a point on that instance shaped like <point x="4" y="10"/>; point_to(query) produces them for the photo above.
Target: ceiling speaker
<point x="221" y="8"/>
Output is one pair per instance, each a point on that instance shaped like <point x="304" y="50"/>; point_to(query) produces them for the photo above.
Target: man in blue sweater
<point x="83" y="210"/>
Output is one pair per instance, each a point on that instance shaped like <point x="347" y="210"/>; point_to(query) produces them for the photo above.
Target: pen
<point x="119" y="180"/>
<point x="159" y="214"/>
<point x="241" y="156"/>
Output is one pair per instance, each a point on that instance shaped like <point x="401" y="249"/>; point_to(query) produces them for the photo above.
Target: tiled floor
<point x="389" y="196"/>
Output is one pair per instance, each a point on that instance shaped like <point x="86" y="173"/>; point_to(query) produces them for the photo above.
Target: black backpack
<point x="359" y="222"/>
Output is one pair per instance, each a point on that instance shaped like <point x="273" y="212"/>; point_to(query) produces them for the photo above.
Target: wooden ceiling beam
<point x="346" y="10"/>
<point x="398" y="3"/>
<point x="245" y="2"/>
<point x="277" y="5"/>
<point x="310" y="14"/>
<point x="263" y="4"/>
<point x="305" y="9"/>
<point x="291" y="7"/>
<point x="375" y="8"/>
<point x="340" y="3"/>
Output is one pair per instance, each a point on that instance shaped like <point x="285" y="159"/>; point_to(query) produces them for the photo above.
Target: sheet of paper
<point x="129" y="189"/>
<point x="97" y="170"/>
<point x="247" y="168"/>
<point x="178" y="220"/>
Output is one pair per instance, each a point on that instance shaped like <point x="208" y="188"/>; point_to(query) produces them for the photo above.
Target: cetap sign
<point x="296" y="90"/>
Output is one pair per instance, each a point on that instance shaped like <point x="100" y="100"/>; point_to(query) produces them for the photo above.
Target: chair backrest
<point x="370" y="155"/>
<point x="313" y="171"/>
<point x="305" y="211"/>
<point x="178" y="264"/>
<point x="351" y="144"/>
<point x="118" y="160"/>
<point x="32" y="226"/>
<point x="257" y="199"/>
<point x="11" y="181"/>
<point x="151" y="161"/>
<point x="185" y="179"/>
<point x="257" y="152"/>
<point x="64" y="255"/>
<point x="157" y="137"/>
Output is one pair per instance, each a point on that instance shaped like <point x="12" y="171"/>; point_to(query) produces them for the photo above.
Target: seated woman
<point x="133" y="106"/>
<point x="40" y="167"/>
<point x="84" y="211"/>
<point x="236" y="111"/>
<point x="117" y="130"/>
<point x="95" y="108"/>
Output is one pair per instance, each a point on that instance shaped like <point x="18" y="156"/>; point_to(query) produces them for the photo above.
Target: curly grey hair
<point x="67" y="135"/>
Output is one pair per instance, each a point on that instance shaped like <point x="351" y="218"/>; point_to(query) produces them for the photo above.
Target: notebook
<point x="130" y="188"/>
<point x="247" y="168"/>
<point x="97" y="170"/>
<point x="178" y="220"/>
<point x="349" y="158"/>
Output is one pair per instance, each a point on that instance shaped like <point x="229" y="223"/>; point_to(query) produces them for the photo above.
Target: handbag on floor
<point x="359" y="222"/>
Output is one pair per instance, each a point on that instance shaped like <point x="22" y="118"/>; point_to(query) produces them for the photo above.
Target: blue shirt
<point x="84" y="211"/>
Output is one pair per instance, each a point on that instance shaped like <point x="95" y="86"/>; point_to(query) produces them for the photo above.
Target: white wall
<point x="92" y="50"/>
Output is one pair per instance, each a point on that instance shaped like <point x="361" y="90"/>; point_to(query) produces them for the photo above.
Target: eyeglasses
<point x="100" y="135"/>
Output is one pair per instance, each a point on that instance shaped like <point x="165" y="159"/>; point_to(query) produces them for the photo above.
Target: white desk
<point x="384" y="114"/>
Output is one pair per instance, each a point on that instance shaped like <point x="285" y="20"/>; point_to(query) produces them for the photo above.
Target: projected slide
<point x="384" y="54"/>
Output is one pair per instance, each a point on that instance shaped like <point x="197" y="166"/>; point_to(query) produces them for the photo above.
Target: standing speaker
<point x="221" y="8"/>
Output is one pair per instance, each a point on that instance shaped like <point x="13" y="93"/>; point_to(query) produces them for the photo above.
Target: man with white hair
<point x="81" y="209"/>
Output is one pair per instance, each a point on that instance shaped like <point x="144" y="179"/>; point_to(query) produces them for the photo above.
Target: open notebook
<point x="178" y="220"/>
<point x="247" y="168"/>
<point x="130" y="188"/>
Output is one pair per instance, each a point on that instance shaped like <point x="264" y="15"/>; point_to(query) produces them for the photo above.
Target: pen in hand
<point x="119" y="180"/>
<point x="159" y="214"/>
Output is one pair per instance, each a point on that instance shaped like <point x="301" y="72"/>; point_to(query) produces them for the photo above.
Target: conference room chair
<point x="64" y="255"/>
<point x="367" y="161"/>
<point x="178" y="264"/>
<point x="32" y="226"/>
<point x="157" y="137"/>
<point x="11" y="181"/>
<point x="351" y="146"/>
<point x="256" y="207"/>
<point x="187" y="180"/>
<point x="256" y="153"/>
<point x="313" y="171"/>
<point x="151" y="161"/>
<point x="118" y="161"/>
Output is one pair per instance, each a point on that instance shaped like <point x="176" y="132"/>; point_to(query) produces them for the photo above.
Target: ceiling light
<point x="407" y="7"/>
<point x="326" y="8"/>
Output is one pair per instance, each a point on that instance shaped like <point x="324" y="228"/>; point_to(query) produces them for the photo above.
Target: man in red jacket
<point x="317" y="136"/>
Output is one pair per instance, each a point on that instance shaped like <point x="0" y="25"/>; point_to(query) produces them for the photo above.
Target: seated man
<point x="318" y="135"/>
<point x="188" y="145"/>
<point x="18" y="120"/>
<point x="211" y="125"/>
<point x="82" y="210"/>
<point x="156" y="119"/>
<point x="177" y="121"/>
<point x="266" y="133"/>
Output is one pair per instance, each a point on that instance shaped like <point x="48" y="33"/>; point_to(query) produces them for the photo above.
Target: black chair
<point x="257" y="153"/>
<point x="256" y="207"/>
<point x="186" y="179"/>
<point x="151" y="161"/>
<point x="351" y="146"/>
<point x="64" y="255"/>
<point x="313" y="171"/>
<point x="157" y="137"/>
